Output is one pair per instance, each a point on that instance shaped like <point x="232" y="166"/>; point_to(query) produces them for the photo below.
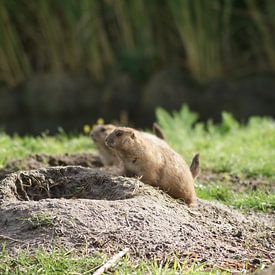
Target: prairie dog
<point x="99" y="134"/>
<point x="153" y="160"/>
<point x="107" y="156"/>
<point x="158" y="131"/>
<point x="195" y="166"/>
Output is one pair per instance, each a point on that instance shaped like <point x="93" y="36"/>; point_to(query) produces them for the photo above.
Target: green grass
<point x="228" y="147"/>
<point x="254" y="200"/>
<point x="60" y="261"/>
<point x="19" y="147"/>
<point x="39" y="220"/>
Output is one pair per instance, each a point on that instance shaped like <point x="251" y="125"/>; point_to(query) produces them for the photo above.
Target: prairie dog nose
<point x="109" y="141"/>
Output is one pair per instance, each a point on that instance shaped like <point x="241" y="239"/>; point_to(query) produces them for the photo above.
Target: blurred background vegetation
<point x="120" y="59"/>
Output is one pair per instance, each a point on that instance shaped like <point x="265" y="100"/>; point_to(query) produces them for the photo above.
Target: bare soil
<point x="236" y="182"/>
<point x="92" y="208"/>
<point x="43" y="160"/>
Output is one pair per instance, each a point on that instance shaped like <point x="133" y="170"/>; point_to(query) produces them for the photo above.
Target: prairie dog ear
<point x="133" y="136"/>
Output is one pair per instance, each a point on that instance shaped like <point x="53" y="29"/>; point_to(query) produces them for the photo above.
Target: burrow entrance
<point x="70" y="182"/>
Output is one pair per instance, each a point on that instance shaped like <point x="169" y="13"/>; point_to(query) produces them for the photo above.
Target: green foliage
<point x="253" y="200"/>
<point x="229" y="123"/>
<point x="42" y="262"/>
<point x="39" y="219"/>
<point x="203" y="26"/>
<point x="59" y="261"/>
<point x="215" y="192"/>
<point x="19" y="147"/>
<point x="97" y="36"/>
<point x="227" y="147"/>
<point x="264" y="21"/>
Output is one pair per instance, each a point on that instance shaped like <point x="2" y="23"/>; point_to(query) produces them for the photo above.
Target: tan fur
<point x="99" y="134"/>
<point x="153" y="160"/>
<point x="195" y="166"/>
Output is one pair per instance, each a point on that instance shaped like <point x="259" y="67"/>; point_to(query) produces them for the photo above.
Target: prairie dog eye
<point x="102" y="130"/>
<point x="118" y="134"/>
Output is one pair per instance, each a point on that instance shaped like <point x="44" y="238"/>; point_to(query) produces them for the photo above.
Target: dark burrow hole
<point x="70" y="182"/>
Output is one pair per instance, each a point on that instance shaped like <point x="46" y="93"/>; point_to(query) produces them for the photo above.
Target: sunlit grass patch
<point x="19" y="147"/>
<point x="247" y="149"/>
<point x="61" y="261"/>
<point x="57" y="261"/>
<point x="252" y="199"/>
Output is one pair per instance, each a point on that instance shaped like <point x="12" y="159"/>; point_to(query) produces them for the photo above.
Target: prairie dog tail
<point x="195" y="166"/>
<point x="157" y="131"/>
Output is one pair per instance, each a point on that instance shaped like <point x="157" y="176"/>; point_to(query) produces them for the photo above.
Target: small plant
<point x="39" y="220"/>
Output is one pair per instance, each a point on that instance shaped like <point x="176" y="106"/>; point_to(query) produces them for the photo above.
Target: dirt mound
<point x="64" y="182"/>
<point x="88" y="208"/>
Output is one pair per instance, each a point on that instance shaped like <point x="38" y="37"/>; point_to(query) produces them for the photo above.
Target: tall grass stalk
<point x="264" y="19"/>
<point x="96" y="45"/>
<point x="14" y="65"/>
<point x="97" y="36"/>
<point x="202" y="26"/>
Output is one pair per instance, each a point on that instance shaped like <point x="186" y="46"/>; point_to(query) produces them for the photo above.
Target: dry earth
<point x="43" y="160"/>
<point x="93" y="209"/>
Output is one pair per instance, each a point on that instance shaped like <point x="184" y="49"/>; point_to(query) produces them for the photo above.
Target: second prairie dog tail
<point x="195" y="166"/>
<point x="157" y="131"/>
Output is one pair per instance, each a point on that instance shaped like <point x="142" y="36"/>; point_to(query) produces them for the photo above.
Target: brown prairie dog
<point x="99" y="134"/>
<point x="107" y="156"/>
<point x="153" y="160"/>
<point x="195" y="166"/>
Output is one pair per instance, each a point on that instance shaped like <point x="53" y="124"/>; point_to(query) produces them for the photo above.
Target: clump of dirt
<point x="43" y="160"/>
<point x="90" y="208"/>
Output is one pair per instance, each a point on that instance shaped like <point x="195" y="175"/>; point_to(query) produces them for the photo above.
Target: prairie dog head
<point x="121" y="139"/>
<point x="100" y="132"/>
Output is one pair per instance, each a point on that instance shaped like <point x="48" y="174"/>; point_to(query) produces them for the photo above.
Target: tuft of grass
<point x="39" y="220"/>
<point x="253" y="199"/>
<point x="215" y="192"/>
<point x="247" y="149"/>
<point x="60" y="261"/>
<point x="57" y="261"/>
